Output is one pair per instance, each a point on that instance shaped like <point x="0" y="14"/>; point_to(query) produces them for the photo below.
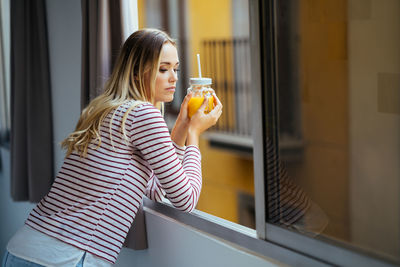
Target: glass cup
<point x="200" y="87"/>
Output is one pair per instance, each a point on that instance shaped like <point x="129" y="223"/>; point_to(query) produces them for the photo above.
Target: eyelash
<point x="164" y="70"/>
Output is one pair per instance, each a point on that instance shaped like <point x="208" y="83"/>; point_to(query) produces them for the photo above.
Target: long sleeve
<point x="180" y="151"/>
<point x="180" y="180"/>
<point x="94" y="199"/>
<point x="153" y="189"/>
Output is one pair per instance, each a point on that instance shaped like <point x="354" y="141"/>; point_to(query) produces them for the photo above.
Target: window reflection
<point x="339" y="73"/>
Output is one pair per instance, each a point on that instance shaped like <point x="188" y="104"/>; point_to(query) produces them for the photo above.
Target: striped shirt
<point x="94" y="199"/>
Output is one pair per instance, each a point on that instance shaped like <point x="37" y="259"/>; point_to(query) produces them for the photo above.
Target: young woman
<point x="120" y="151"/>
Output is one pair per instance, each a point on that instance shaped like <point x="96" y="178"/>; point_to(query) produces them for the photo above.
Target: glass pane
<point x="339" y="121"/>
<point x="219" y="32"/>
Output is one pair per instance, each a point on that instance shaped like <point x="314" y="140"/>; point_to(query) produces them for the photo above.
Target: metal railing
<point x="227" y="62"/>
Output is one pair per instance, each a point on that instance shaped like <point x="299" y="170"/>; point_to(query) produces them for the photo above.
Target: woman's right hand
<point x="201" y="121"/>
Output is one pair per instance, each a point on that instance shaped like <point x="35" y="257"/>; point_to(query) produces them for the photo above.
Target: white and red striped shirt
<point x="94" y="199"/>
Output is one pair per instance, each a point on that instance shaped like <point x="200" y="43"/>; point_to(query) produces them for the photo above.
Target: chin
<point x="169" y="99"/>
<point x="166" y="99"/>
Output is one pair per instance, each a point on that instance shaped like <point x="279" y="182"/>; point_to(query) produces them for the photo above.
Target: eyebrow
<point x="168" y="63"/>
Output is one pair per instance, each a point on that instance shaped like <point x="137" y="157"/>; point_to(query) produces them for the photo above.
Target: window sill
<point x="237" y="235"/>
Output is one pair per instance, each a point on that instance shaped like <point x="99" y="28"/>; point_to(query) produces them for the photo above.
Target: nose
<point x="173" y="77"/>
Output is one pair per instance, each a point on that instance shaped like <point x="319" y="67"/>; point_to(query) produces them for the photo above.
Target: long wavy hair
<point x="133" y="78"/>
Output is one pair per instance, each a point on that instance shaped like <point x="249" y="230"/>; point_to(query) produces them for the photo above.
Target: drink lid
<point x="200" y="81"/>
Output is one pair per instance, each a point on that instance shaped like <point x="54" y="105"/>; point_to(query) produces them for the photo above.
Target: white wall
<point x="13" y="214"/>
<point x="64" y="31"/>
<point x="374" y="84"/>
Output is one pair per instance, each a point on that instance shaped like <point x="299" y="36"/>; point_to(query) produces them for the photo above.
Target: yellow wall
<point x="207" y="19"/>
<point x="212" y="20"/>
<point x="142" y="13"/>
<point x="323" y="64"/>
<point x="225" y="174"/>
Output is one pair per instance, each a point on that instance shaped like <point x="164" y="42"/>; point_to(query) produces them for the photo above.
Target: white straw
<point x="199" y="65"/>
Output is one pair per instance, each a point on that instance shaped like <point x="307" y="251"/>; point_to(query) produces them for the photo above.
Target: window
<point x="337" y="61"/>
<point x="320" y="82"/>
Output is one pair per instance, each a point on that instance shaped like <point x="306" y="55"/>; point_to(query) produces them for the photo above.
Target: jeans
<point x="10" y="260"/>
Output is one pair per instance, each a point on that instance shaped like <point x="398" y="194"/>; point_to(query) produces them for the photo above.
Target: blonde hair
<point x="133" y="78"/>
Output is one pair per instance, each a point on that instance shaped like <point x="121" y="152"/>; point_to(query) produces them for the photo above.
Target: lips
<point x="172" y="88"/>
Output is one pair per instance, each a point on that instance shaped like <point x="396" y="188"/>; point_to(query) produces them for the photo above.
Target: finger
<point x="216" y="116"/>
<point x="186" y="100"/>
<point x="217" y="102"/>
<point x="218" y="107"/>
<point x="217" y="112"/>
<point x="204" y="104"/>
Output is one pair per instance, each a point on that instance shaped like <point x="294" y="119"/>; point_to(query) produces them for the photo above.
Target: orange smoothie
<point x="195" y="103"/>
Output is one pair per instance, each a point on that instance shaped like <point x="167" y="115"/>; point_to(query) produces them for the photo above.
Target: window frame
<point x="268" y="240"/>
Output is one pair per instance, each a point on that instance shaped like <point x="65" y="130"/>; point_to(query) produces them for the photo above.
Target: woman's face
<point x="167" y="74"/>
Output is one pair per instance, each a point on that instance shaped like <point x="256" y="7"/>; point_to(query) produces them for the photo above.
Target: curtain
<point x="101" y="41"/>
<point x="104" y="28"/>
<point x="31" y="122"/>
